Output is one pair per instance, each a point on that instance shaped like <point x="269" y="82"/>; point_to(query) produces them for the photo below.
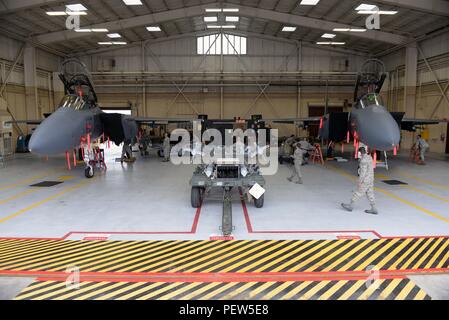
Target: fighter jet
<point x="79" y="120"/>
<point x="369" y="122"/>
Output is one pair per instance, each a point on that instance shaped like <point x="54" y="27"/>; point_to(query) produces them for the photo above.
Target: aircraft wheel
<point x="196" y="197"/>
<point x="89" y="172"/>
<point x="259" y="202"/>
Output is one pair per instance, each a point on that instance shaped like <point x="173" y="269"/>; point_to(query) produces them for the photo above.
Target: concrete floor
<point x="151" y="200"/>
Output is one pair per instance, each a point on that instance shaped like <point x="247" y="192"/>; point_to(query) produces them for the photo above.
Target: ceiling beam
<point x="439" y="7"/>
<point x="8" y="6"/>
<point x="194" y="11"/>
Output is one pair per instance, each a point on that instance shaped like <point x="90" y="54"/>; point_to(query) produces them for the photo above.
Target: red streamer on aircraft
<point x="109" y="143"/>
<point x="321" y="123"/>
<point x="374" y="159"/>
<point x="74" y="158"/>
<point x="67" y="156"/>
<point x="347" y="137"/>
<point x="342" y="148"/>
<point x="395" y="151"/>
<point x="88" y="141"/>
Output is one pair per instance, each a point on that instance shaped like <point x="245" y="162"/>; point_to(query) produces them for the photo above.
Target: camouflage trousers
<point x="362" y="190"/>
<point x="296" y="170"/>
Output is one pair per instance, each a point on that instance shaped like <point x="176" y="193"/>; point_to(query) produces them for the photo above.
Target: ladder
<point x="317" y="154"/>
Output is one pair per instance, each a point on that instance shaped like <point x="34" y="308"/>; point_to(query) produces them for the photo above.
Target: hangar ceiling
<point x="28" y="19"/>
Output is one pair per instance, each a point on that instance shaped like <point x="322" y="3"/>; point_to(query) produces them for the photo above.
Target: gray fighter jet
<point x="369" y="121"/>
<point x="79" y="120"/>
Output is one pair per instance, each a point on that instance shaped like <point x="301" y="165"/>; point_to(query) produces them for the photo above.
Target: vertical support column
<point x="31" y="96"/>
<point x="298" y="92"/>
<point x="221" y="78"/>
<point x="58" y="90"/>
<point x="410" y="81"/>
<point x="144" y="87"/>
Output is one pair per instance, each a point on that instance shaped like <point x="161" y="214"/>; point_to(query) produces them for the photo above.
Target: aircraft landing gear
<point x="94" y="159"/>
<point x="89" y="172"/>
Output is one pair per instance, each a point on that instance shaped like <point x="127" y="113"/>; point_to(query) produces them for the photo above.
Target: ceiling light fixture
<point x="309" y="2"/>
<point x="386" y="12"/>
<point x="221" y="27"/>
<point x="76" y="7"/>
<point x="154" y="28"/>
<point x="288" y="29"/>
<point x="230" y="10"/>
<point x="76" y="13"/>
<point x="104" y="43"/>
<point x="330" y="43"/>
<point x="114" y="35"/>
<point x="119" y="43"/>
<point x="349" y="30"/>
<point x="133" y="2"/>
<point x="328" y="35"/>
<point x="210" y="19"/>
<point x="232" y="19"/>
<point x="83" y="30"/>
<point x="365" y="6"/>
<point x="100" y="30"/>
<point x="213" y="10"/>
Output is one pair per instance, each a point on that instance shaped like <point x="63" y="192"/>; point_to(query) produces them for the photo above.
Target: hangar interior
<point x="179" y="59"/>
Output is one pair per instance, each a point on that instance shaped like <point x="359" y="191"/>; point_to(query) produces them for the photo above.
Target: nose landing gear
<point x="94" y="159"/>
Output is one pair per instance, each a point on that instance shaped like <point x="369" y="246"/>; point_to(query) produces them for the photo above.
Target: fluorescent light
<point x="232" y="19"/>
<point x="119" y="43"/>
<point x="386" y="12"/>
<point x="309" y="2"/>
<point x="76" y="7"/>
<point x="365" y="6"/>
<point x="133" y="2"/>
<point x="100" y="30"/>
<point x="328" y="35"/>
<point x="221" y="27"/>
<point x="154" y="29"/>
<point x="213" y="10"/>
<point x="349" y="29"/>
<point x="56" y="13"/>
<point x="83" y="30"/>
<point x="210" y="19"/>
<point x="104" y="43"/>
<point x="288" y="29"/>
<point x="76" y="13"/>
<point x="230" y="10"/>
<point x="114" y="35"/>
<point x="330" y="43"/>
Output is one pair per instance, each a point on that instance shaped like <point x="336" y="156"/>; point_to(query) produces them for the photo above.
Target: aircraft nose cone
<point x="58" y="133"/>
<point x="379" y="129"/>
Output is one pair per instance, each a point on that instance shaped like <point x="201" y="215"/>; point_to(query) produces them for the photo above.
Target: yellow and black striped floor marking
<point x="382" y="289"/>
<point x="224" y="256"/>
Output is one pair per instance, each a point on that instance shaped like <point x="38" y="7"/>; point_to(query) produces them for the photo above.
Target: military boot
<point x="373" y="210"/>
<point x="347" y="207"/>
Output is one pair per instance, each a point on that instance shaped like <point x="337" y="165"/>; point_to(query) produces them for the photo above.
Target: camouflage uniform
<point x="166" y="148"/>
<point x="366" y="181"/>
<point x="298" y="158"/>
<point x="422" y="146"/>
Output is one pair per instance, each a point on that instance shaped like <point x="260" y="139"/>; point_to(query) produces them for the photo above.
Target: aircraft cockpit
<point x="368" y="100"/>
<point x="74" y="102"/>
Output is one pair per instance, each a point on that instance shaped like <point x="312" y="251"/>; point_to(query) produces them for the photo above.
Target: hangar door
<point x="318" y="111"/>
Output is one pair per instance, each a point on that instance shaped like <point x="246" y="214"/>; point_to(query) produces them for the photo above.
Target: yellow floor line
<point x="404" y="201"/>
<point x="29" y="180"/>
<point x="429" y="182"/>
<point x="37" y="204"/>
<point x="19" y="195"/>
<point x="426" y="193"/>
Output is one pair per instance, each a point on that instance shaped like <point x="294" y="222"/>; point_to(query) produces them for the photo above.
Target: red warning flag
<point x="67" y="156"/>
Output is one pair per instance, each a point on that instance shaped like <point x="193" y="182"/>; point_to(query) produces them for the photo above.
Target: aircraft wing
<point x="409" y="124"/>
<point x="156" y="120"/>
<point x="295" y="120"/>
<point x="29" y="122"/>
